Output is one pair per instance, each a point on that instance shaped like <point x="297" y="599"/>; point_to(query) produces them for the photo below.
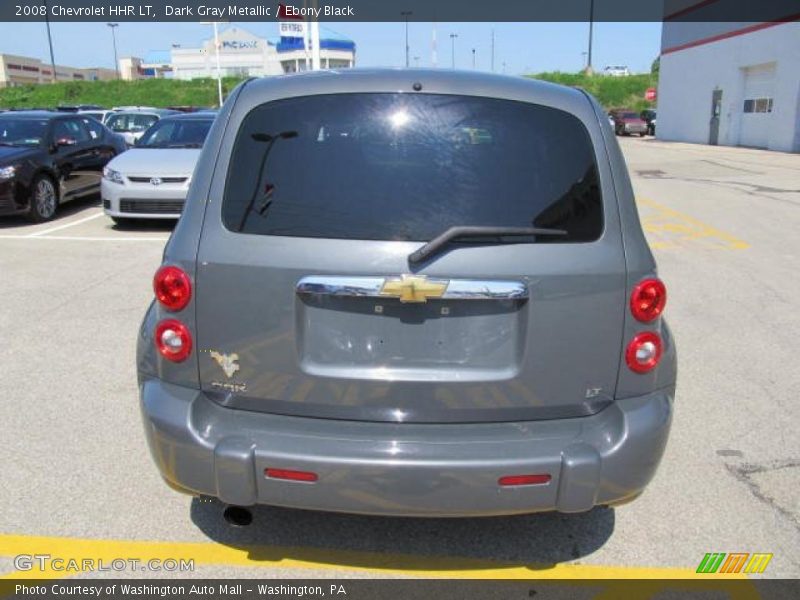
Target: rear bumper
<point x="404" y="469"/>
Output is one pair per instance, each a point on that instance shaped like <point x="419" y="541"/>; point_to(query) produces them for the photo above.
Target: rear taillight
<point x="648" y="299"/>
<point x="172" y="287"/>
<point x="644" y="352"/>
<point x="173" y="340"/>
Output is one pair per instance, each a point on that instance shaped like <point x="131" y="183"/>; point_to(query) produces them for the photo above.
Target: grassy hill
<point x="147" y="92"/>
<point x="610" y="91"/>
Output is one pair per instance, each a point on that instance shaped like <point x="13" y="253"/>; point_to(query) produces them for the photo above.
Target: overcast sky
<point x="523" y="47"/>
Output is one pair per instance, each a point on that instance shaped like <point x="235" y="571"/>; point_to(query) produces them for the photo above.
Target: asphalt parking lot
<point x="78" y="479"/>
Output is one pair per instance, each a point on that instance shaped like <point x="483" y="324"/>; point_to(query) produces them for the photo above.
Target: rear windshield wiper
<point x="441" y="240"/>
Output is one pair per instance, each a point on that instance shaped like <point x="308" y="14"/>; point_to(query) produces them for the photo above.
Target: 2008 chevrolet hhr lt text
<point x="408" y="293"/>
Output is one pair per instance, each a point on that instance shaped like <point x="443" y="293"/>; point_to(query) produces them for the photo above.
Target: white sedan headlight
<point x="7" y="172"/>
<point x="113" y="175"/>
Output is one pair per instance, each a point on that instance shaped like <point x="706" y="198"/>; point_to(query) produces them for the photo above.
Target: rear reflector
<point x="510" y="480"/>
<point x="290" y="475"/>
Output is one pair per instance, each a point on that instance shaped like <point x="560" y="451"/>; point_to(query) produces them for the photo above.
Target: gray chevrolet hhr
<point x="408" y="292"/>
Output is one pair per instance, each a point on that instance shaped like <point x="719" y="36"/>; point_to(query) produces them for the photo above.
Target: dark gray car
<point x="408" y="293"/>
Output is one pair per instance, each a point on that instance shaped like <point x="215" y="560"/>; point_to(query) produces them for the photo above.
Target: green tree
<point x="654" y="68"/>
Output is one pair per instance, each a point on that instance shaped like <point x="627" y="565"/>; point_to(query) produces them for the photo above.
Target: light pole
<point x="113" y="27"/>
<point x="216" y="48"/>
<point x="406" y="14"/>
<point x="492" y="50"/>
<point x="589" y="69"/>
<point x="453" y="37"/>
<point x="416" y="61"/>
<point x="473" y="59"/>
<point x="50" y="41"/>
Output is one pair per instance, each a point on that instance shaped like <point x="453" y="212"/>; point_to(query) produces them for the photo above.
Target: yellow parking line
<point x="668" y="227"/>
<point x="282" y="557"/>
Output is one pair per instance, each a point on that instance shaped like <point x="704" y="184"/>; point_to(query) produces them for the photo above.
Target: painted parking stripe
<point x="281" y="557"/>
<point x="66" y="225"/>
<point x="669" y="228"/>
<point x="72" y="238"/>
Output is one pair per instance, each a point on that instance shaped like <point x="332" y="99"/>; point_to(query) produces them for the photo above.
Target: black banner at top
<point x="398" y="10"/>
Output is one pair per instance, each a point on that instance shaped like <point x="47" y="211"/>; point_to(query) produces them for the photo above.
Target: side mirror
<point x="65" y="141"/>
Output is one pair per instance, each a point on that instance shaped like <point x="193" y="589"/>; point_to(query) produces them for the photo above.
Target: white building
<point x="243" y="54"/>
<point x="733" y="84"/>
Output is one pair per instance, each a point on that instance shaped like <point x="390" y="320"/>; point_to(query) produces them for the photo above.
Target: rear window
<point x="132" y="122"/>
<point x="176" y="133"/>
<point x="410" y="166"/>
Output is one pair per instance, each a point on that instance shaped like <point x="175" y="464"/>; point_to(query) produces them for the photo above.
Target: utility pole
<point x="453" y="37"/>
<point x="316" y="62"/>
<point x="589" y="69"/>
<point x="406" y="14"/>
<point x="113" y="27"/>
<point x="492" y="50"/>
<point x="434" y="56"/>
<point x="219" y="69"/>
<point x="50" y="41"/>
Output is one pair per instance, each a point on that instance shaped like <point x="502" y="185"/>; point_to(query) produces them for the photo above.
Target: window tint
<point x="176" y="133"/>
<point x="95" y="129"/>
<point x="22" y="132"/>
<point x="408" y="167"/>
<point x="71" y="129"/>
<point x="132" y="122"/>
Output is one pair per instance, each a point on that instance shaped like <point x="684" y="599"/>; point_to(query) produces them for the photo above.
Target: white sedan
<point x="151" y="180"/>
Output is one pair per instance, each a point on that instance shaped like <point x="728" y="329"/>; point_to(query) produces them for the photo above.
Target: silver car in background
<point x="408" y="292"/>
<point x="132" y="123"/>
<point x="151" y="180"/>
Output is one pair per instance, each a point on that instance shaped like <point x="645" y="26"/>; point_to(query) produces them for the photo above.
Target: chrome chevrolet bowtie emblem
<point x="228" y="362"/>
<point x="156" y="181"/>
<point x="413" y="288"/>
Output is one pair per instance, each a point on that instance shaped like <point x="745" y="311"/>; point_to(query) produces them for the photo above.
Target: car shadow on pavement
<point x="536" y="542"/>
<point x="68" y="209"/>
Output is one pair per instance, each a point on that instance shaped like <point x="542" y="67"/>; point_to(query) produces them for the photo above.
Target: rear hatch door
<point x="307" y="303"/>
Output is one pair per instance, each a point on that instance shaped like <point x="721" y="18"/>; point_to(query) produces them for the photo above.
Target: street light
<point x="473" y="59"/>
<point x="216" y="48"/>
<point x="113" y="27"/>
<point x="406" y="14"/>
<point x="416" y="61"/>
<point x="50" y="42"/>
<point x="589" y="69"/>
<point x="453" y="37"/>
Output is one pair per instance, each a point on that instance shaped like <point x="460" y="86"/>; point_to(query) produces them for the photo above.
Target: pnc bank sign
<point x="239" y="44"/>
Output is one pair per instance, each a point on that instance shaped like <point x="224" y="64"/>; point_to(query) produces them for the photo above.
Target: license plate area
<point x="438" y="340"/>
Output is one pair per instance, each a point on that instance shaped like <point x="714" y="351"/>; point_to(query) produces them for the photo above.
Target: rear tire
<point x="122" y="221"/>
<point x="643" y="134"/>
<point x="44" y="200"/>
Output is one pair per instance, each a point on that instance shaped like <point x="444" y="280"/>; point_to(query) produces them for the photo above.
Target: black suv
<point x="47" y="158"/>
<point x="648" y="115"/>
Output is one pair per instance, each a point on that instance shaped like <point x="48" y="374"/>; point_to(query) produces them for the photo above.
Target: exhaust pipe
<point x="237" y="516"/>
